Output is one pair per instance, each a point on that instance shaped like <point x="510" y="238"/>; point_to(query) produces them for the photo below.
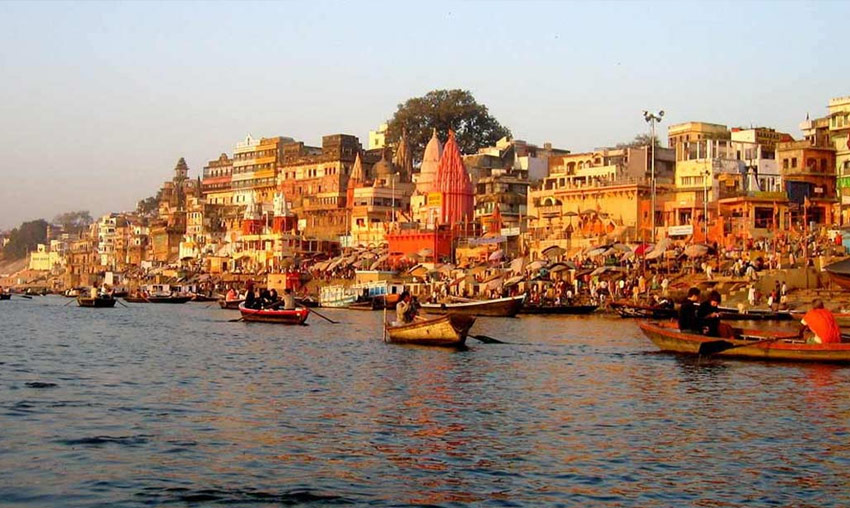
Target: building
<point x="756" y="147"/>
<point x="315" y="181"/>
<point x="808" y="173"/>
<point x="217" y="180"/>
<point x="424" y="180"/>
<point x="839" y="134"/>
<point x="378" y="137"/>
<point x="377" y="206"/>
<point x="255" y="166"/>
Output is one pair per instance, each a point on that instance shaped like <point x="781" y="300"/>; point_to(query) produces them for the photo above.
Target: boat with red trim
<point x="295" y="316"/>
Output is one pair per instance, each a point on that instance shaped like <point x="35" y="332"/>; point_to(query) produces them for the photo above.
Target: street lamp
<point x="651" y="119"/>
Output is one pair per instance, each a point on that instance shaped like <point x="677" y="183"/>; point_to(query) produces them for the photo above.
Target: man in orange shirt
<point x="822" y="324"/>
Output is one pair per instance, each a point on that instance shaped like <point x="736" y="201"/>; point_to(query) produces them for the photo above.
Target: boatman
<point x="688" y="312"/>
<point x="821" y="323"/>
<point x="288" y="300"/>
<point x="402" y="309"/>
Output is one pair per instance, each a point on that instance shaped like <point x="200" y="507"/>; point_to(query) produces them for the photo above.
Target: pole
<point x="652" y="179"/>
<point x="705" y="205"/>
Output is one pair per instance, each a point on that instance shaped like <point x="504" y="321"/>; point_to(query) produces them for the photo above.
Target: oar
<point x="718" y="346"/>
<point x="235" y="320"/>
<point x="119" y="302"/>
<point x="321" y="316"/>
<point x="69" y="303"/>
<point x="487" y="340"/>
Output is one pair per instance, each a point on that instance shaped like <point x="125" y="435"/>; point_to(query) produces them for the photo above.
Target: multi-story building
<point x="216" y="183"/>
<point x="379" y="203"/>
<point x="808" y="174"/>
<point x="839" y="133"/>
<point x="255" y="167"/>
<point x="378" y="137"/>
<point x="756" y="147"/>
<point x="592" y="194"/>
<point x="315" y="181"/>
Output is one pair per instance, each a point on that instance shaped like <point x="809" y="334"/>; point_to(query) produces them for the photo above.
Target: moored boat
<point x="157" y="299"/>
<point x="98" y="301"/>
<point x="287" y="317"/>
<point x="839" y="273"/>
<point x="5" y="296"/>
<point x="448" y="330"/>
<point x="730" y="314"/>
<point x="557" y="309"/>
<point x="748" y="344"/>
<point x="634" y="310"/>
<point x="500" y="307"/>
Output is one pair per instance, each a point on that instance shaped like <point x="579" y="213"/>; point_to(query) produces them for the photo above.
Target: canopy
<point x="553" y="251"/>
<point x="514" y="280"/>
<point x="642" y="249"/>
<point x="597" y="251"/>
<point x="424" y="253"/>
<point x="517" y="264"/>
<point x="418" y="271"/>
<point x="696" y="250"/>
<point x="497" y="255"/>
<point x="536" y="265"/>
<point x="558" y="267"/>
<point x="379" y="261"/>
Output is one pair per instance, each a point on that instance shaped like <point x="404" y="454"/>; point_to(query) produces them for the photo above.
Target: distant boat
<point x="280" y="316"/>
<point x="98" y="301"/>
<point x="5" y="296"/>
<point x="230" y="304"/>
<point x="633" y="310"/>
<point x="839" y="273"/>
<point x="500" y="307"/>
<point x="449" y="330"/>
<point x="558" y="309"/>
<point x="157" y="299"/>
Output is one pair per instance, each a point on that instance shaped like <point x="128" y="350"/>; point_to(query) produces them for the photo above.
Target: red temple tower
<point x="454" y="185"/>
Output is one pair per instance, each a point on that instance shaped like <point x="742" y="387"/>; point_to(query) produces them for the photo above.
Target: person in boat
<point x="231" y="295"/>
<point x="709" y="315"/>
<point x="821" y="323"/>
<point x="273" y="295"/>
<point x="403" y="309"/>
<point x="288" y="300"/>
<point x="250" y="301"/>
<point x="688" y="321"/>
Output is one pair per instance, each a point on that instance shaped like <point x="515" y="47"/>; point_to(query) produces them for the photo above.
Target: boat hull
<point x="5" y="296"/>
<point x="449" y="330"/>
<point x="558" y="309"/>
<point x="787" y="347"/>
<point x="95" y="302"/>
<point x="283" y="317"/>
<point x="502" y="307"/>
<point x="630" y="310"/>
<point x="157" y="299"/>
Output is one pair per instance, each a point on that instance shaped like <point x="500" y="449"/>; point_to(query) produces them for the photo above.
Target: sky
<point x="98" y="101"/>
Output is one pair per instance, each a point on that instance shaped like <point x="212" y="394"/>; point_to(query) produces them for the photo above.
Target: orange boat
<point x="285" y="317"/>
<point x="750" y="344"/>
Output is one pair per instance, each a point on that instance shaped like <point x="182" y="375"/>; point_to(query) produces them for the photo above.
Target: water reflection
<point x="162" y="404"/>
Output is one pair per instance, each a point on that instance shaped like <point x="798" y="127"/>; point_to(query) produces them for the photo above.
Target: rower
<point x="688" y="312"/>
<point x="288" y="300"/>
<point x="821" y="323"/>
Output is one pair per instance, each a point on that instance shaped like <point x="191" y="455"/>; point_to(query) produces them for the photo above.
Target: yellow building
<point x="255" y="169"/>
<point x="839" y="134"/>
<point x="216" y="183"/>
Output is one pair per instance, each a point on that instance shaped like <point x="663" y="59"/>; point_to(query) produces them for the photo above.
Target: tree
<point x="73" y="222"/>
<point x="25" y="238"/>
<point x="444" y="110"/>
<point x="148" y="206"/>
<point x="639" y="141"/>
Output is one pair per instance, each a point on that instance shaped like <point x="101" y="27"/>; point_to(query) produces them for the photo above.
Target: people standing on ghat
<point x="821" y="323"/>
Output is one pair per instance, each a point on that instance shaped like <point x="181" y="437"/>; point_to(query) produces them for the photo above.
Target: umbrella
<point x="596" y="252"/>
<point x="494" y="283"/>
<point x="368" y="255"/>
<point x="659" y="249"/>
<point x="553" y="251"/>
<point x="588" y="212"/>
<point x="558" y="267"/>
<point x="571" y="214"/>
<point x="497" y="255"/>
<point x="517" y="264"/>
<point x="360" y="263"/>
<point x="446" y="269"/>
<point x="424" y="253"/>
<point x="477" y="270"/>
<point x="537" y="265"/>
<point x="379" y="261"/>
<point x="514" y="280"/>
<point x="642" y="249"/>
<point x="418" y="271"/>
<point x="696" y="250"/>
<point x="622" y="247"/>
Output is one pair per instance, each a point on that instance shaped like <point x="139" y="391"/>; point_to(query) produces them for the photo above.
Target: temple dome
<point x="383" y="170"/>
<point x="430" y="163"/>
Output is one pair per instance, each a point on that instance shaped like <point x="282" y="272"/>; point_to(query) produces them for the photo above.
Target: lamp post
<point x="652" y="118"/>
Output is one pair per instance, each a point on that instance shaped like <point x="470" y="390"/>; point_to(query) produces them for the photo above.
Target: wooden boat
<point x="634" y="310"/>
<point x="501" y="307"/>
<point x="5" y="296"/>
<point x="157" y="299"/>
<point x="448" y="330"/>
<point x="99" y="301"/>
<point x="730" y="314"/>
<point x="203" y="298"/>
<point x="839" y="273"/>
<point x="557" y="309"/>
<point x="749" y="344"/>
<point x="280" y="316"/>
<point x="376" y="303"/>
<point x="230" y="304"/>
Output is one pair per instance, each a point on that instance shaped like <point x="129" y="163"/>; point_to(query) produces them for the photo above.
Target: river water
<point x="172" y="404"/>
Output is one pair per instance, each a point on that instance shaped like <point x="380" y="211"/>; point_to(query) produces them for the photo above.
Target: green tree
<point x="445" y="109"/>
<point x="73" y="222"/>
<point x="639" y="141"/>
<point x="149" y="206"/>
<point x="25" y="238"/>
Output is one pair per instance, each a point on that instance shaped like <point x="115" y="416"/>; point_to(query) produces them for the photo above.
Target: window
<point x="784" y="163"/>
<point x="793" y="162"/>
<point x="823" y="165"/>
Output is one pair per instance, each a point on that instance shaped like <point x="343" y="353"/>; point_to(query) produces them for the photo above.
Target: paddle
<point x="487" y="340"/>
<point x="235" y="320"/>
<point x="69" y="303"/>
<point x="120" y="303"/>
<point x="717" y="346"/>
<point x="329" y="320"/>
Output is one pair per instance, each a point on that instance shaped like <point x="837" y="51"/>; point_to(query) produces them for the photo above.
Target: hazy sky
<point x="99" y="100"/>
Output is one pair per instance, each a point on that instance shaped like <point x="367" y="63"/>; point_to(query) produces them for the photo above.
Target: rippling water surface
<point x="172" y="404"/>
